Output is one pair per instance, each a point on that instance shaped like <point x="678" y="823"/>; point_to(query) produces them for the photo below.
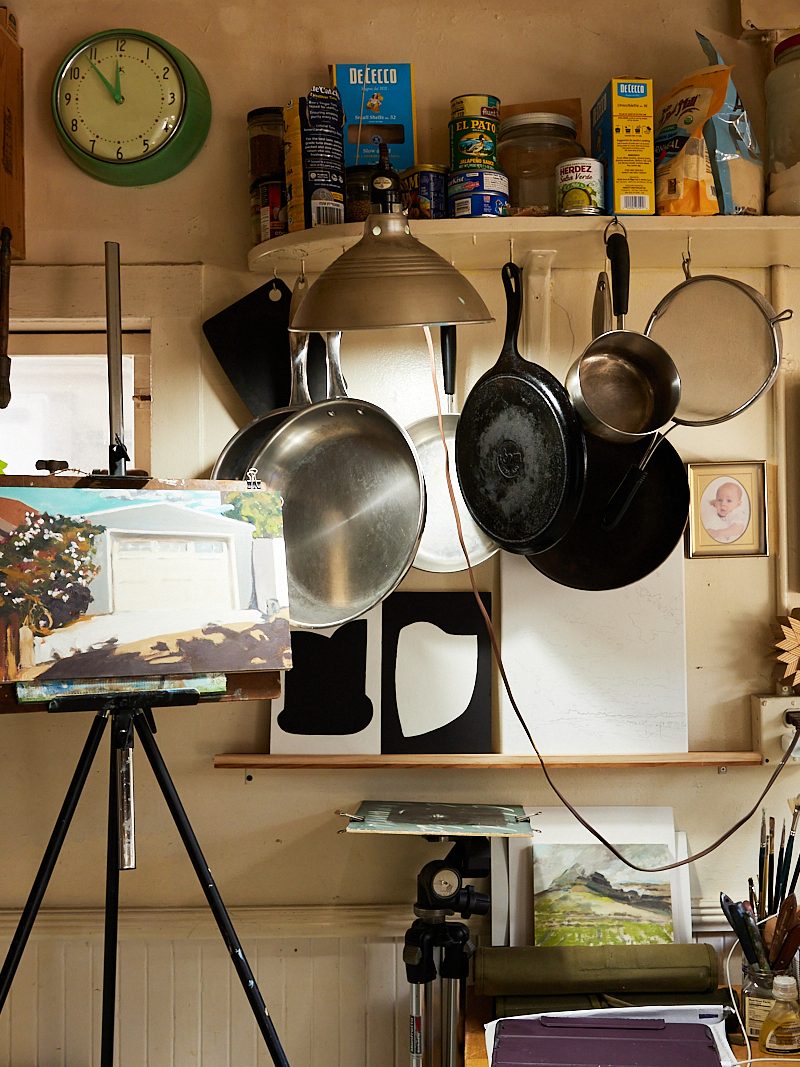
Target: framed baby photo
<point x="727" y="509"/>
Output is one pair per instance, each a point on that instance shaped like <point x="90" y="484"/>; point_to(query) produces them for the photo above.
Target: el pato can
<point x="579" y="187"/>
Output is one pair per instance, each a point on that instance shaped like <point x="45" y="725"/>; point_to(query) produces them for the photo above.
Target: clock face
<point x="119" y="97"/>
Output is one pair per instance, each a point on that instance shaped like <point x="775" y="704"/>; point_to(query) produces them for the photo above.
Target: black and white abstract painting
<point x="411" y="676"/>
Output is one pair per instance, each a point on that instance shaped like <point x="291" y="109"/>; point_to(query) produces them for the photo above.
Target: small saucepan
<point x="624" y="386"/>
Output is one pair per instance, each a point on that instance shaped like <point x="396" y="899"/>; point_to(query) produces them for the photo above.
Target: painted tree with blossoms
<point x="46" y="566"/>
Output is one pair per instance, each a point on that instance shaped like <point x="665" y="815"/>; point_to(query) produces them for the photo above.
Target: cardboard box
<point x="12" y="175"/>
<point x="314" y="159"/>
<point x="622" y="139"/>
<point x="379" y="105"/>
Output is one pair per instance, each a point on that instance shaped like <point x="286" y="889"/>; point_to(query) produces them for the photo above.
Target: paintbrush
<point x="786" y="918"/>
<point x="762" y="857"/>
<point x="794" y="803"/>
<point x="751" y="895"/>
<point x="779" y="890"/>
<point x="748" y="916"/>
<point x="771" y="867"/>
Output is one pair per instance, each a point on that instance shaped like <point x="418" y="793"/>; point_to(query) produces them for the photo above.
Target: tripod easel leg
<point x="223" y="920"/>
<point x="111" y="921"/>
<point x="50" y="857"/>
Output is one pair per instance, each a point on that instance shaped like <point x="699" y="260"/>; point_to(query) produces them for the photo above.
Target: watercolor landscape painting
<point x="98" y="583"/>
<point x="583" y="895"/>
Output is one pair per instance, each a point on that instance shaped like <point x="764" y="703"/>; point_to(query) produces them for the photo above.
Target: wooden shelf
<point x="483" y="244"/>
<point x="492" y="761"/>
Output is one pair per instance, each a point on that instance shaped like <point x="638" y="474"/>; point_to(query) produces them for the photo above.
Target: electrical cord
<point x="507" y="685"/>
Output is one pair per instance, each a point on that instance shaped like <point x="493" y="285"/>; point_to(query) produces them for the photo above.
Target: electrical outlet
<point x="771" y="733"/>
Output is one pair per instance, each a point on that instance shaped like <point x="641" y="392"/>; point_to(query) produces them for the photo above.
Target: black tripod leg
<point x="50" y="858"/>
<point x="112" y="899"/>
<point x="246" y="976"/>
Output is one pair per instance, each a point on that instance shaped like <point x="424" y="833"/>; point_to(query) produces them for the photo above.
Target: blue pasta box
<point x="379" y="105"/>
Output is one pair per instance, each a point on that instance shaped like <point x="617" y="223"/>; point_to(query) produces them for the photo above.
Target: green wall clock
<point x="130" y="108"/>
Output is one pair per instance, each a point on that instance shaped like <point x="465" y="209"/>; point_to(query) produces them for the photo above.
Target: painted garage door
<point x="171" y="572"/>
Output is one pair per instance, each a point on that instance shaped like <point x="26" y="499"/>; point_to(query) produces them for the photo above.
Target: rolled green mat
<point x="547" y="971"/>
<point x="528" y="1005"/>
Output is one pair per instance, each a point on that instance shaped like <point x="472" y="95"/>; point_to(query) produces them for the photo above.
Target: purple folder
<point x="553" y="1041"/>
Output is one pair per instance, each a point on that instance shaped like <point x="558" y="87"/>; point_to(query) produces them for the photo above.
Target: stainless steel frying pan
<point x="353" y="503"/>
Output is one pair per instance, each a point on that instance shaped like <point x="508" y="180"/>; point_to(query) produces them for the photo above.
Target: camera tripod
<point x="430" y="938"/>
<point x="130" y="714"/>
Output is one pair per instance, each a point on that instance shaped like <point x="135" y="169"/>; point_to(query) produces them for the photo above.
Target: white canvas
<point x="594" y="673"/>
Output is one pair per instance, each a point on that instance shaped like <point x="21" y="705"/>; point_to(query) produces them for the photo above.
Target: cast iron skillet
<point x="591" y="556"/>
<point x="520" y="447"/>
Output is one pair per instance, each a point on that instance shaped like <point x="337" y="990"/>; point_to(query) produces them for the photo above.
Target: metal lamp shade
<point x="388" y="279"/>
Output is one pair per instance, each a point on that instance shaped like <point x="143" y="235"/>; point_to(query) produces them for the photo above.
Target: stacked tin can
<point x="475" y="186"/>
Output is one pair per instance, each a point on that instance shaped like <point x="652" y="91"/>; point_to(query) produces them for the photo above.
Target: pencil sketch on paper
<point x="99" y="583"/>
<point x="584" y="895"/>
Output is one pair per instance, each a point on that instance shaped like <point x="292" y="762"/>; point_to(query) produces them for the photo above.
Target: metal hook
<point x="511" y="249"/>
<point x="686" y="258"/>
<point x="303" y="268"/>
<point x="617" y="226"/>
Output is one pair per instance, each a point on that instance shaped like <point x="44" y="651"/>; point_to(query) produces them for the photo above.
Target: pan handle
<point x="620" y="259"/>
<point x="512" y="282"/>
<point x="622" y="497"/>
<point x="447" y="337"/>
<point x="337" y="386"/>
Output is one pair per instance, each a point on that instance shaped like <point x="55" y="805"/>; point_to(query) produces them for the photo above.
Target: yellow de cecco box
<point x="622" y="139"/>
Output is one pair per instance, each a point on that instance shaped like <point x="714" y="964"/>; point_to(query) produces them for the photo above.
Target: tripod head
<point x="441" y="890"/>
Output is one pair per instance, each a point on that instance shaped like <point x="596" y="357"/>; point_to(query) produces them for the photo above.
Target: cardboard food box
<point x="12" y="174"/>
<point x="622" y="139"/>
<point x="313" y="156"/>
<point x="379" y="105"/>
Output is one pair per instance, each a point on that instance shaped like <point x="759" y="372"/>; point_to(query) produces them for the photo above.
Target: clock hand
<point x="103" y="79"/>
<point x="118" y="97"/>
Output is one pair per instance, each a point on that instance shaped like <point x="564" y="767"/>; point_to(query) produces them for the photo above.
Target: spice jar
<point x="528" y="151"/>
<point x="783" y="129"/>
<point x="265" y="135"/>
<point x="358" y="193"/>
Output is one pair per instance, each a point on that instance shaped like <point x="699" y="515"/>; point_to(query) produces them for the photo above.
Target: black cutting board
<point x="250" y="339"/>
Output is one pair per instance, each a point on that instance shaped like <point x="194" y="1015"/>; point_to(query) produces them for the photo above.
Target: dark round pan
<point x="593" y="557"/>
<point x="520" y="447"/>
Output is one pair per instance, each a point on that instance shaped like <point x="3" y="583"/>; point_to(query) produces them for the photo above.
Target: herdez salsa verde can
<point x="424" y="191"/>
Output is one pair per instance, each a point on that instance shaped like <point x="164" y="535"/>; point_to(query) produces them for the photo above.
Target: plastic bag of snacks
<point x="706" y="155"/>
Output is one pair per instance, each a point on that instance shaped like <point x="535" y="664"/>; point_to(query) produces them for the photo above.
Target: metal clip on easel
<point x="431" y="939"/>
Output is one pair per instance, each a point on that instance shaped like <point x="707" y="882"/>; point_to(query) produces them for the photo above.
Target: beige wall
<point x="273" y="840"/>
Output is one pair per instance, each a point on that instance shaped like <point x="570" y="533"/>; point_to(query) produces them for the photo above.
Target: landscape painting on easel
<point x="100" y="583"/>
<point x="584" y="895"/>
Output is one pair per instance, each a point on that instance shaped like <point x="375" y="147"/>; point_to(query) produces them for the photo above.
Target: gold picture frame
<point x="728" y="513"/>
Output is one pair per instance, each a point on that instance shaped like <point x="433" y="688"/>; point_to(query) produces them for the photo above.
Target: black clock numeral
<point x="74" y="125"/>
<point x="171" y="98"/>
<point x="165" y="73"/>
<point x="145" y="145"/>
<point x="75" y="73"/>
<point x="67" y="98"/>
<point x="93" y="53"/>
<point x="92" y="143"/>
<point x="147" y="52"/>
<point x="119" y="152"/>
<point x="121" y="42"/>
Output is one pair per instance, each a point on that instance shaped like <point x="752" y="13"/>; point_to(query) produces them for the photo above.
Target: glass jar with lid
<point x="529" y="148"/>
<point x="783" y="129"/>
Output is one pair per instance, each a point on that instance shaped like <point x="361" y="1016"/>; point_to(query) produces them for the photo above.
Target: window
<point x="59" y="400"/>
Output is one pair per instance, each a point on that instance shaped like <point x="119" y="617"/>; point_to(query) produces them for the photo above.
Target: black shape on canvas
<point x="453" y="613"/>
<point x="324" y="693"/>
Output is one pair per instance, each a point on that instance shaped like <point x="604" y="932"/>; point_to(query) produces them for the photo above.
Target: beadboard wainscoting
<point x="333" y="980"/>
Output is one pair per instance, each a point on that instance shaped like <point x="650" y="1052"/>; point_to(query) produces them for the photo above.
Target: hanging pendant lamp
<point x="389" y="278"/>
